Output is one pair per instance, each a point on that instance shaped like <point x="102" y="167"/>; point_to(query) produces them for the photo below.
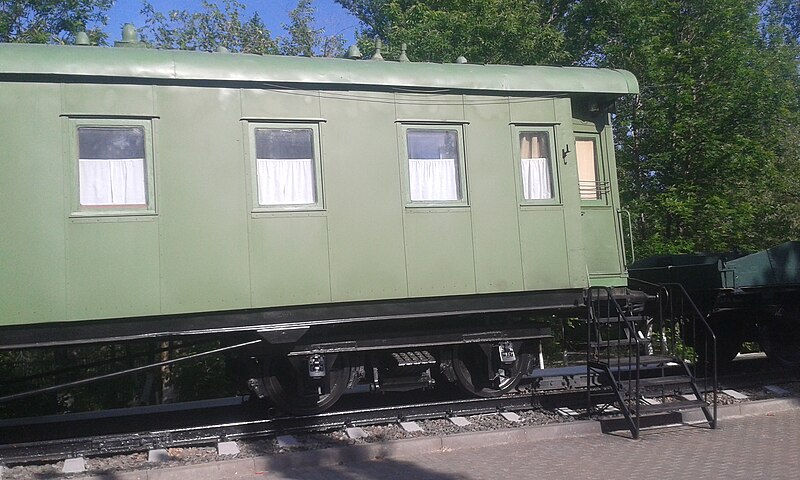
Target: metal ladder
<point x="661" y="348"/>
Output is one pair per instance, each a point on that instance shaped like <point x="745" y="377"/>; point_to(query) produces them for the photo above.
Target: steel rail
<point x="131" y="440"/>
<point x="118" y="443"/>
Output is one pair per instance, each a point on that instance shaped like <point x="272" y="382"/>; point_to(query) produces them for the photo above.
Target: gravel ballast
<point x="381" y="441"/>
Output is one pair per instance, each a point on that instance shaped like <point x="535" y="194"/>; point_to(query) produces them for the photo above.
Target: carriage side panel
<point x="32" y="237"/>
<point x="201" y="200"/>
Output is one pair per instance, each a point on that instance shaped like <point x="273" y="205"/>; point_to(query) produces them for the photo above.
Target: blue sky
<point x="330" y="16"/>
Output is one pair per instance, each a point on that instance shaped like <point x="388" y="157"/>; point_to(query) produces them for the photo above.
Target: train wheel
<point x="480" y="371"/>
<point x="780" y="337"/>
<point x="291" y="387"/>
<point x="727" y="328"/>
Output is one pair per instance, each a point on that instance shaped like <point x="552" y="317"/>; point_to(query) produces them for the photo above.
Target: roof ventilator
<point x="353" y="53"/>
<point x="130" y="37"/>
<point x="378" y="45"/>
<point x="403" y="57"/>
<point x="82" y="39"/>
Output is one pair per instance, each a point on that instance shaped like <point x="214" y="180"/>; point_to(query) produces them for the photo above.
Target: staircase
<point x="649" y="357"/>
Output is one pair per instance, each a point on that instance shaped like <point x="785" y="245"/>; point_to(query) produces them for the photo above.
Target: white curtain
<point x="112" y="182"/>
<point x="433" y="179"/>
<point x="285" y="181"/>
<point x="536" y="179"/>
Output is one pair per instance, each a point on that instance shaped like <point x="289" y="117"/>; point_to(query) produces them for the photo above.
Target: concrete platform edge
<point x="401" y="448"/>
<point x="746" y="409"/>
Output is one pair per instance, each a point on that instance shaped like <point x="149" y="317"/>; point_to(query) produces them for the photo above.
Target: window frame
<point x="110" y="122"/>
<point x="600" y="168"/>
<point x="516" y="132"/>
<point x="316" y="141"/>
<point x="458" y="127"/>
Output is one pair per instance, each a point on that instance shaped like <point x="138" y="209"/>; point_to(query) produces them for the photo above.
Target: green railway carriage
<point x="321" y="205"/>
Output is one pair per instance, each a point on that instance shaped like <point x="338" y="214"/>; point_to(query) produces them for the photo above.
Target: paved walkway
<point x="764" y="446"/>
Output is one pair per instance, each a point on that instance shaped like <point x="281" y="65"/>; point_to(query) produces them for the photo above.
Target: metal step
<point x="671" y="406"/>
<point x="620" y="342"/>
<point x="413" y="358"/>
<point x="663" y="381"/>
<point x="648" y="363"/>
<point x="652" y="360"/>
<point x="617" y="319"/>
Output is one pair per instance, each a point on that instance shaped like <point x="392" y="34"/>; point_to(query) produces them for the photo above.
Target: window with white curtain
<point x="286" y="167"/>
<point x="434" y="165"/>
<point x="112" y="168"/>
<point x="535" y="165"/>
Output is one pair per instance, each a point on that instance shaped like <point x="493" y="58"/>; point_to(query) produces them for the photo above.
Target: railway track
<point x="16" y="452"/>
<point x="201" y="423"/>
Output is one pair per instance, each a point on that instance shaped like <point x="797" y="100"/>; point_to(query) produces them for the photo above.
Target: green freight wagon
<point x="746" y="298"/>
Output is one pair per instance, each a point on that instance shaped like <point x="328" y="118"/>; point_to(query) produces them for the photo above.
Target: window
<point x="537" y="177"/>
<point x="589" y="182"/>
<point x="114" y="168"/>
<point x="287" y="165"/>
<point x="435" y="165"/>
<point x="535" y="166"/>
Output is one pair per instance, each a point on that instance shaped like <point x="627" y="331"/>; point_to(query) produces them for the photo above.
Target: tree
<point x="51" y="21"/>
<point x="708" y="153"/>
<point x="212" y="27"/>
<point x="226" y="25"/>
<point x="782" y="21"/>
<point x="702" y="160"/>
<point x="484" y="31"/>
<point x="304" y="39"/>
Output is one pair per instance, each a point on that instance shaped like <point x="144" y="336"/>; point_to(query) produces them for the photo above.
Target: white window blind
<point x="285" y="181"/>
<point x="536" y="179"/>
<point x="432" y="179"/>
<point x="111" y="167"/>
<point x="285" y="166"/>
<point x="112" y="182"/>
<point x="433" y="165"/>
<point x="537" y="182"/>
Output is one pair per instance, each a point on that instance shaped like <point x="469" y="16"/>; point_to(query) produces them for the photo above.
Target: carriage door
<point x="598" y="209"/>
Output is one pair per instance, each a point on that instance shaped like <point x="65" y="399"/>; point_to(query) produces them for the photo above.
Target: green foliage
<point x="200" y="379"/>
<point x="215" y="25"/>
<point x="226" y="24"/>
<point x="705" y="153"/>
<point x="672" y="342"/>
<point x="51" y="21"/>
<point x="27" y="370"/>
<point x="701" y="162"/>
<point x="484" y="31"/>
<point x="782" y="21"/>
<point x="709" y="153"/>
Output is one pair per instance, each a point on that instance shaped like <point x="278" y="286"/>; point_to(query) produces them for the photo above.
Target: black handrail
<point x="667" y="293"/>
<point x="633" y="341"/>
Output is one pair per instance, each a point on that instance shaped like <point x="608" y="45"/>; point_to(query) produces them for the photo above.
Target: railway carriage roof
<point x="146" y="65"/>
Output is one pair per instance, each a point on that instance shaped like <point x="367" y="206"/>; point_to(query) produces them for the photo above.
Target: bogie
<point x="491" y="370"/>
<point x="311" y="384"/>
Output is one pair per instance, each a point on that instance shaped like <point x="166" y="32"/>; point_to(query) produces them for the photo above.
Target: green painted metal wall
<point x="493" y="196"/>
<point x="600" y="219"/>
<point x="206" y="249"/>
<point x="33" y="267"/>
